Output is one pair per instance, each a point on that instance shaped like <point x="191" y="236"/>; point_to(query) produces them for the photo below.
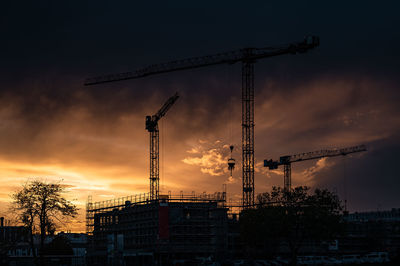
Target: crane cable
<point x="344" y="183"/>
<point x="230" y="105"/>
<point x="162" y="155"/>
<point x="230" y="110"/>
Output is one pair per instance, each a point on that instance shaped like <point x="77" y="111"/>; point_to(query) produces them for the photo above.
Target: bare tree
<point x="40" y="207"/>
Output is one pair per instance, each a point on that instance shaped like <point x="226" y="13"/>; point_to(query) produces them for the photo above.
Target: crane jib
<point x="288" y="159"/>
<point x="246" y="54"/>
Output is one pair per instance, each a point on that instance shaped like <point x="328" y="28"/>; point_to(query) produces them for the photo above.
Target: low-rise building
<point x="147" y="232"/>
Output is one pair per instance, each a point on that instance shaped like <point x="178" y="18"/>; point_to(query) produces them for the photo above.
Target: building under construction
<point x="158" y="229"/>
<point x="136" y="230"/>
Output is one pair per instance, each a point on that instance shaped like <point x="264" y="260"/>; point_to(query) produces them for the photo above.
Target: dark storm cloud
<point x="76" y="34"/>
<point x="367" y="181"/>
<point x="328" y="112"/>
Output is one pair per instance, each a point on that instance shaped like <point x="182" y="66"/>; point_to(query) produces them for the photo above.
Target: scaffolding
<point x="174" y="225"/>
<point x="94" y="208"/>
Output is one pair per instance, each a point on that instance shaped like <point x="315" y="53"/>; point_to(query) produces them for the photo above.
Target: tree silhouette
<point x="291" y="216"/>
<point x="40" y="206"/>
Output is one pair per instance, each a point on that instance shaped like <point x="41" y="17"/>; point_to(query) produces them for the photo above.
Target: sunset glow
<point x="93" y="140"/>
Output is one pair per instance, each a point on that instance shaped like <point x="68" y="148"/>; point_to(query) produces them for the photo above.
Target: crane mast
<point x="248" y="133"/>
<point x="287" y="160"/>
<point x="248" y="56"/>
<point x="152" y="127"/>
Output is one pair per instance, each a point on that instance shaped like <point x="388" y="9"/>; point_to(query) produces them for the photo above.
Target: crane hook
<point x="231" y="161"/>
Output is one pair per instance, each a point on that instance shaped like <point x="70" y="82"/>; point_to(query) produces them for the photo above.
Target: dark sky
<point x="344" y="93"/>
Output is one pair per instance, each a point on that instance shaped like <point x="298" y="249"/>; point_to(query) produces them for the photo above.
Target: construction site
<point x="154" y="228"/>
<point x="138" y="230"/>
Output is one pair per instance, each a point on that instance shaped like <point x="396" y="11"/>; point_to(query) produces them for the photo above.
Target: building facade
<point x="158" y="232"/>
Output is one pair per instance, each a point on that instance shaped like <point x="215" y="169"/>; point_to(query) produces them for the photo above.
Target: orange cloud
<point x="96" y="142"/>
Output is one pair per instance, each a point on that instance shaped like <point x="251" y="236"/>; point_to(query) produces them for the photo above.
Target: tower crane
<point x="287" y="160"/>
<point x="247" y="56"/>
<point x="152" y="127"/>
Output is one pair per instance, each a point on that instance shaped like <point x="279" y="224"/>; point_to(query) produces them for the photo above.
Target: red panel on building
<point x="163" y="223"/>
